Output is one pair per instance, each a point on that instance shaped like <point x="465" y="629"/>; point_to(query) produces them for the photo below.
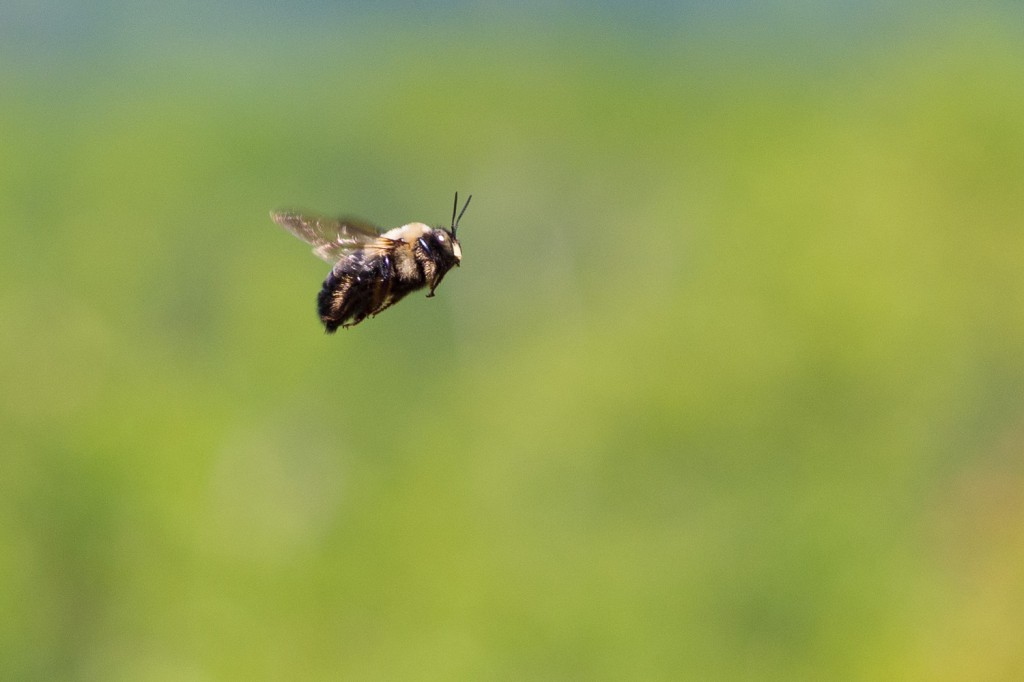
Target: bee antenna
<point x="455" y="221"/>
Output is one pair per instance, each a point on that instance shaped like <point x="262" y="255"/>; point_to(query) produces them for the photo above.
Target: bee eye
<point x="440" y="237"/>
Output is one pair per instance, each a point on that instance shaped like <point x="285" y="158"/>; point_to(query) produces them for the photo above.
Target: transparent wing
<point x="331" y="238"/>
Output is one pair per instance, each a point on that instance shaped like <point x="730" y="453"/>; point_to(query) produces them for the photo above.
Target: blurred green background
<point x="730" y="384"/>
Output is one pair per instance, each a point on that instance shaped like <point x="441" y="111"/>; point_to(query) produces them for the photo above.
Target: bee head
<point x="445" y="246"/>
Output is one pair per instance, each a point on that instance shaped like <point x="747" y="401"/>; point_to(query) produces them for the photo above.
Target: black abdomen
<point x="359" y="287"/>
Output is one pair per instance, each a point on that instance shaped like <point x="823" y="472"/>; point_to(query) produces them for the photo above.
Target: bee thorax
<point x="405" y="263"/>
<point x="408" y="233"/>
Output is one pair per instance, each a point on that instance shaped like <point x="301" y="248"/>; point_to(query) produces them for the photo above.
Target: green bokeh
<point x="729" y="385"/>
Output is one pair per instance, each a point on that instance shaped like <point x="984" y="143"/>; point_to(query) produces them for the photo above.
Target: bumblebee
<point x="373" y="269"/>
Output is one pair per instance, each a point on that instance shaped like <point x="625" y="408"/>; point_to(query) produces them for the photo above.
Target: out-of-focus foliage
<point x="730" y="384"/>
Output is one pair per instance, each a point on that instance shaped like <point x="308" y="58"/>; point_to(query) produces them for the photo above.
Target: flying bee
<point x="373" y="269"/>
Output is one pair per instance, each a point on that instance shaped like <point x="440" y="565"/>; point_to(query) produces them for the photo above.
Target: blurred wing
<point x="331" y="238"/>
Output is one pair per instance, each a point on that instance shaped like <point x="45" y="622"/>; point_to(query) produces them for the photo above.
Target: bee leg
<point x="434" y="286"/>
